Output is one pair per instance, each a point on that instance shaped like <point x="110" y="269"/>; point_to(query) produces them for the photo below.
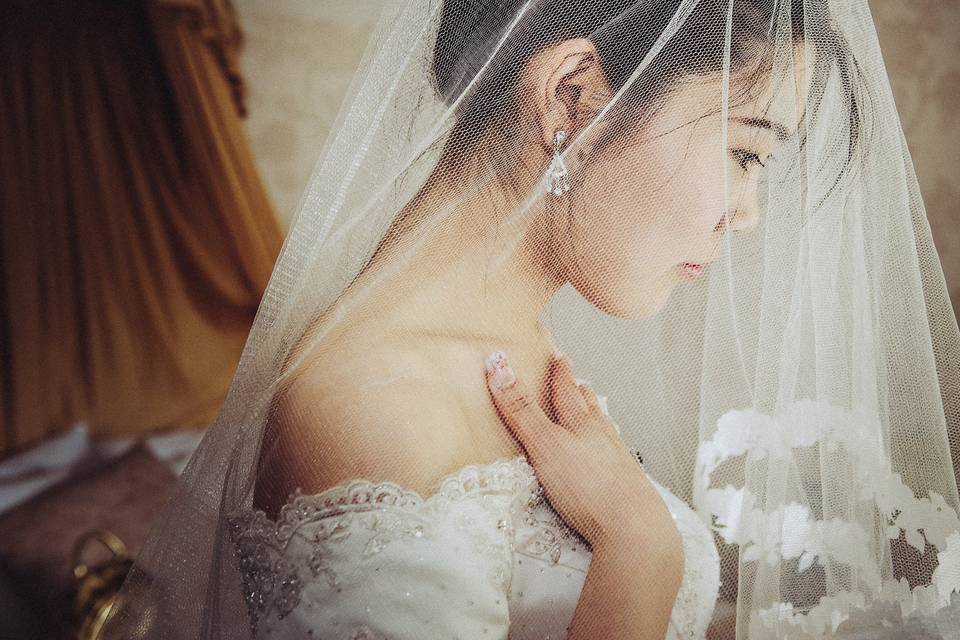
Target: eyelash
<point x="744" y="158"/>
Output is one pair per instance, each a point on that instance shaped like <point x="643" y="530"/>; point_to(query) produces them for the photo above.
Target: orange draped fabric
<point x="137" y="237"/>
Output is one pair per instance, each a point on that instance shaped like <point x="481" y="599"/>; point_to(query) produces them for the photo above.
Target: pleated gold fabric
<point x="137" y="237"/>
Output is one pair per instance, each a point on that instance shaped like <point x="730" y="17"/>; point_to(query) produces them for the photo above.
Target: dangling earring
<point x="558" y="183"/>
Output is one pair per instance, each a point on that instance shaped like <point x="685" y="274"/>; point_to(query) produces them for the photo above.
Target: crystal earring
<point x="558" y="183"/>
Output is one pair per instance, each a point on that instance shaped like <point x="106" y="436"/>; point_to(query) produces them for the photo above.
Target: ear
<point x="566" y="87"/>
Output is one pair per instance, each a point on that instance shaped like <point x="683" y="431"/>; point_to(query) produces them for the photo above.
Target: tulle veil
<point x="802" y="393"/>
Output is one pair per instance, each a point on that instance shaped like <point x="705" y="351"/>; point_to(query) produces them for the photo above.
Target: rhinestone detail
<point x="385" y="510"/>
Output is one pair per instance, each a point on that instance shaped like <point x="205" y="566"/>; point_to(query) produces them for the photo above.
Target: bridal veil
<point x="723" y="189"/>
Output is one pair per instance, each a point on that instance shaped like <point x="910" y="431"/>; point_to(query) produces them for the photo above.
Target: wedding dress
<point x="484" y="556"/>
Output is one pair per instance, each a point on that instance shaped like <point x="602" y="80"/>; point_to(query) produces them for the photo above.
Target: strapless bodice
<point x="484" y="556"/>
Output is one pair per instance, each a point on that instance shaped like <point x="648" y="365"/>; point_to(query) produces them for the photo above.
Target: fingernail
<point x="502" y="375"/>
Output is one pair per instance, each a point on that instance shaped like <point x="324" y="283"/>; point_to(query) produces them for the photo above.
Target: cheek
<point x="621" y="231"/>
<point x="627" y="209"/>
<point x="635" y="220"/>
<point x="704" y="198"/>
<point x="626" y="246"/>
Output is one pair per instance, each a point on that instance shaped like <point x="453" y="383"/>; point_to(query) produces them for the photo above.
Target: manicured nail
<point x="501" y="375"/>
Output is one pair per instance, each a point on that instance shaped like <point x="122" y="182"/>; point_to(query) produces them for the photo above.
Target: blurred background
<point x="152" y="155"/>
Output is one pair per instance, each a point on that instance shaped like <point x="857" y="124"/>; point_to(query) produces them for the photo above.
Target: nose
<point x="747" y="215"/>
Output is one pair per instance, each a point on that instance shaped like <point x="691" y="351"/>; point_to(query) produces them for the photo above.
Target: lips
<point x="691" y="270"/>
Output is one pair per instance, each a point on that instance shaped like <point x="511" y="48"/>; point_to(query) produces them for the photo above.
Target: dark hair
<point x="623" y="31"/>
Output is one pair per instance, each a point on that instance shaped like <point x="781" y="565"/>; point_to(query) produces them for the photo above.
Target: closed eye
<point x="745" y="158"/>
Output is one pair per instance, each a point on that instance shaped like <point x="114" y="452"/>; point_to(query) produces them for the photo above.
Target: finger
<point x="517" y="408"/>
<point x="566" y="399"/>
<point x="590" y="397"/>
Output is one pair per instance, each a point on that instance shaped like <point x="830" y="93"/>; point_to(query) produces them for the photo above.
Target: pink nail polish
<point x="501" y="373"/>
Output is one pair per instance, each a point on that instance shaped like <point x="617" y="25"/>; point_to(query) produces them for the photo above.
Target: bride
<point x="409" y="375"/>
<point x="407" y="452"/>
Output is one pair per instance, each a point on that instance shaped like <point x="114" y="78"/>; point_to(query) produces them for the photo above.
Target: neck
<point x="481" y="274"/>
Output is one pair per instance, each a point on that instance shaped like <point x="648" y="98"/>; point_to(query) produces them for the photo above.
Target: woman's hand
<point x="591" y="479"/>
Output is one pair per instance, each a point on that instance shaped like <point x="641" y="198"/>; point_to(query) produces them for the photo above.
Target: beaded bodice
<point x="485" y="556"/>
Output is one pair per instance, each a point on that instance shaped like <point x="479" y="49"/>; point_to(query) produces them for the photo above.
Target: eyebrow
<point x="762" y="123"/>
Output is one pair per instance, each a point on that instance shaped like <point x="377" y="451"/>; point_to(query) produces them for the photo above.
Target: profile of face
<point x="649" y="212"/>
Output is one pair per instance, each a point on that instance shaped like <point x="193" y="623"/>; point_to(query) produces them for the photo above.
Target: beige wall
<point x="298" y="60"/>
<point x="300" y="56"/>
<point x="920" y="40"/>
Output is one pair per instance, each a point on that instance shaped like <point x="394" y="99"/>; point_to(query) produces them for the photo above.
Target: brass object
<point x="97" y="586"/>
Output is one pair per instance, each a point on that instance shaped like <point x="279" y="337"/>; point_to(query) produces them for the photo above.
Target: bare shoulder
<point x="372" y="415"/>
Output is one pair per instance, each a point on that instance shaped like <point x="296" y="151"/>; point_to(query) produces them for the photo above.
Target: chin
<point x="641" y="305"/>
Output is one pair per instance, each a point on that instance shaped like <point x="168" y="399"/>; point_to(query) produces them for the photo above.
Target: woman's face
<point x="648" y="212"/>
